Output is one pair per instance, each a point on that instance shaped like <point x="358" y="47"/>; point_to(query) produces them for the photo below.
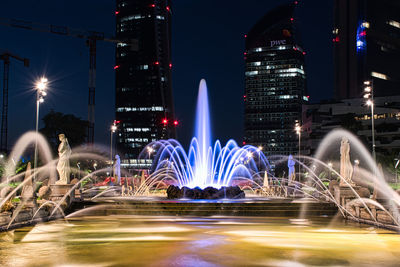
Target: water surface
<point x="206" y="241"/>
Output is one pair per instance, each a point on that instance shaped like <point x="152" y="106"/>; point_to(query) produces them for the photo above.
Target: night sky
<point x="207" y="42"/>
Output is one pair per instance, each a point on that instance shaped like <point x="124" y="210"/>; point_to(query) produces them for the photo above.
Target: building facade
<point x="275" y="83"/>
<point x="144" y="104"/>
<point x="366" y="38"/>
<point x="353" y="115"/>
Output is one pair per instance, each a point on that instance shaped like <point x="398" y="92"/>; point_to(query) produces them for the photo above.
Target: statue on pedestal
<point x="346" y="168"/>
<point x="117" y="169"/>
<point x="64" y="152"/>
<point x="292" y="174"/>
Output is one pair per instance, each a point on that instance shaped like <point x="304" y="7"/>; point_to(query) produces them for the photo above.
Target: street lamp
<point x="297" y="128"/>
<point x="369" y="96"/>
<point x="113" y="129"/>
<point x="41" y="87"/>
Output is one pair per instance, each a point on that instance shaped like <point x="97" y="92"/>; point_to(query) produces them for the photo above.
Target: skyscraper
<point x="274" y="83"/>
<point x="366" y="37"/>
<point x="144" y="103"/>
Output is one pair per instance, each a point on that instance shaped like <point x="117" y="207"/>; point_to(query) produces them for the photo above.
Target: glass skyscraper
<point x="144" y="104"/>
<point x="275" y="83"/>
<point x="366" y="38"/>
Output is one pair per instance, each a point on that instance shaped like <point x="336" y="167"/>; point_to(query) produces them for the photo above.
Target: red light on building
<point x="176" y="123"/>
<point x="296" y="2"/>
<point x="336" y="39"/>
<point x="245" y="53"/>
<point x="304" y="53"/>
<point x="170" y="65"/>
<point x="168" y="9"/>
<point x="245" y="36"/>
<point x="244" y="143"/>
<point x="165" y="121"/>
<point x="116" y="12"/>
<point x="363" y="33"/>
<point x="116" y="67"/>
<point x="156" y="63"/>
<point x="153" y="5"/>
<point x="308" y="96"/>
<point x="291" y="19"/>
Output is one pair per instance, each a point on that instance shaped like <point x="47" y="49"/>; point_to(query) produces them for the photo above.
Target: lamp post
<point x="369" y="96"/>
<point x="297" y="128"/>
<point x="41" y="86"/>
<point x="112" y="131"/>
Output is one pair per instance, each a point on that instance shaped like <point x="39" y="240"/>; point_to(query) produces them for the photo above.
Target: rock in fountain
<point x="230" y="192"/>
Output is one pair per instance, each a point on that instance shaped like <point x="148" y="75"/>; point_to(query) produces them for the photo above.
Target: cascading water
<point x="205" y="165"/>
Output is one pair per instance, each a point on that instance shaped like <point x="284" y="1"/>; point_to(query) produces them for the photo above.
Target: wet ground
<point x="199" y="241"/>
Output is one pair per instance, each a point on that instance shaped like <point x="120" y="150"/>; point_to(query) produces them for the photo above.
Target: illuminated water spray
<point x="205" y="165"/>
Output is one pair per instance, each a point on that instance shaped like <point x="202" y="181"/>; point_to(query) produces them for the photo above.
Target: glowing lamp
<point x="176" y="123"/>
<point x="164" y="121"/>
<point x="116" y="67"/>
<point x="116" y="12"/>
<point x="156" y="63"/>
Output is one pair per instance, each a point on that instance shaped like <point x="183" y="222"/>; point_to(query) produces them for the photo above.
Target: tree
<point x="56" y="123"/>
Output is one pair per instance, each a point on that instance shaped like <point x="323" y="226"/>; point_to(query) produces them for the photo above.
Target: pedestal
<point x="58" y="191"/>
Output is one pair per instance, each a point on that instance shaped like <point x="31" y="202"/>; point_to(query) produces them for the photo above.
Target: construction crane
<point x="6" y="56"/>
<point x="91" y="38"/>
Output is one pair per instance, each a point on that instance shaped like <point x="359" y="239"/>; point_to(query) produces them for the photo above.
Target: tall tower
<point x="366" y="38"/>
<point x="144" y="104"/>
<point x="274" y="83"/>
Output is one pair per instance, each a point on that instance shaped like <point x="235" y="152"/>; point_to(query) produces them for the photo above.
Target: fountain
<point x="206" y="171"/>
<point x="287" y="219"/>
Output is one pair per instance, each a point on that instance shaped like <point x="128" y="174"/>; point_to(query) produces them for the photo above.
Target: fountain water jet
<point x="204" y="165"/>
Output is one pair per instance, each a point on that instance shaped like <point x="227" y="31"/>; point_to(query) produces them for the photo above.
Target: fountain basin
<point x="231" y="192"/>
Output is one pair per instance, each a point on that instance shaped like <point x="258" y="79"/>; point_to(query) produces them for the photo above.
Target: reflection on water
<point x="189" y="241"/>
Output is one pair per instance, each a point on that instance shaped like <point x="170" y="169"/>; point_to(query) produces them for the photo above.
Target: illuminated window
<point x="160" y="17"/>
<point x="251" y="73"/>
<point x="133" y="17"/>
<point x="394" y="23"/>
<point x="379" y="75"/>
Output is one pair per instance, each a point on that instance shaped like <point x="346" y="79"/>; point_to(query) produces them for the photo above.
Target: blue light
<point x="361" y="41"/>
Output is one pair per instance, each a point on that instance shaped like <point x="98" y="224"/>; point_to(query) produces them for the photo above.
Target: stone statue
<point x="117" y="169"/>
<point x="265" y="181"/>
<point x="292" y="174"/>
<point x="64" y="152"/>
<point x="346" y="168"/>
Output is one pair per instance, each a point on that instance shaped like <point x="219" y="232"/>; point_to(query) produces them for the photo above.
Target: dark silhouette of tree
<point x="56" y="123"/>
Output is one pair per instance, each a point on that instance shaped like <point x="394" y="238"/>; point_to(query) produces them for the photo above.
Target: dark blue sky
<point x="207" y="42"/>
